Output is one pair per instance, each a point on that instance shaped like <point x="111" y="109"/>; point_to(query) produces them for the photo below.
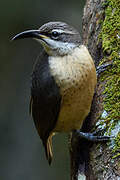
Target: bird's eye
<point x="55" y="34"/>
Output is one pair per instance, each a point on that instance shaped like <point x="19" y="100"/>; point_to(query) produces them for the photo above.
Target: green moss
<point x="110" y="35"/>
<point x="116" y="148"/>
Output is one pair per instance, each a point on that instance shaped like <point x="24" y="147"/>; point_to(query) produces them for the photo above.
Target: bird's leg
<point x="92" y="136"/>
<point x="102" y="68"/>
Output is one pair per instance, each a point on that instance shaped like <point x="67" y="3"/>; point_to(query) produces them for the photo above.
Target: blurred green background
<point x="21" y="153"/>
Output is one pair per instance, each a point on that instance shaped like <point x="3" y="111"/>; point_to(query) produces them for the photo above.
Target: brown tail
<point x="48" y="149"/>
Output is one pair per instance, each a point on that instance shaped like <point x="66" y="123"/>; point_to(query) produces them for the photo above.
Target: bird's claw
<point x="93" y="136"/>
<point x="102" y="68"/>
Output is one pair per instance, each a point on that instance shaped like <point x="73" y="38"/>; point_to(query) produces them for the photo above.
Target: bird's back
<point x="45" y="98"/>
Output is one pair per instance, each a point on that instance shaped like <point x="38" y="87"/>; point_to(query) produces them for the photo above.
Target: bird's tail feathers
<point x="48" y="149"/>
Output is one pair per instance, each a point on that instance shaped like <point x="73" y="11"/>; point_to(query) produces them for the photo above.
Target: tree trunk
<point x="101" y="34"/>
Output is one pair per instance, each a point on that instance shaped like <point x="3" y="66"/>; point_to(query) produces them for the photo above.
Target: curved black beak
<point x="28" y="34"/>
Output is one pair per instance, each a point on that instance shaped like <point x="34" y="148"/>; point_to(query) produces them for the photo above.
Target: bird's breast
<point x="76" y="77"/>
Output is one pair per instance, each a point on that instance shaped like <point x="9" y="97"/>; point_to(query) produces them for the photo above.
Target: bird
<point x="63" y="81"/>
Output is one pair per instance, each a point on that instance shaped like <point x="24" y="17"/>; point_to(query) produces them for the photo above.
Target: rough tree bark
<point x="101" y="34"/>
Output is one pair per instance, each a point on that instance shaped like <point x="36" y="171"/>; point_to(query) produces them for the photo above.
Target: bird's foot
<point x="93" y="136"/>
<point x="103" y="68"/>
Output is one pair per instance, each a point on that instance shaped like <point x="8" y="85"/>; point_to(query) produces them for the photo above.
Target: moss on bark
<point x="110" y="36"/>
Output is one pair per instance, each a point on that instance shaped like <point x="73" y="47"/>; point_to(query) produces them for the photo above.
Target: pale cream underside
<point x="75" y="74"/>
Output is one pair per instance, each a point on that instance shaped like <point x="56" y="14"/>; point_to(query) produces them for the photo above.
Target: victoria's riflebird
<point x="63" y="81"/>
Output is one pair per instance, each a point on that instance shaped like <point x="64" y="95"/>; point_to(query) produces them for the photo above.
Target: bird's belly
<point x="74" y="109"/>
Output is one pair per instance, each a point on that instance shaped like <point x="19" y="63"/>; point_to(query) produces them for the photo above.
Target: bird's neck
<point x="58" y="49"/>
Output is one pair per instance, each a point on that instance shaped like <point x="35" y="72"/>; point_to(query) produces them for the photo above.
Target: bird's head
<point x="57" y="38"/>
